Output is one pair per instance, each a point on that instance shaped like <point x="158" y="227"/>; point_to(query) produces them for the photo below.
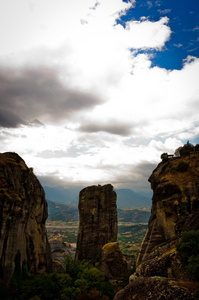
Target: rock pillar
<point x="98" y="221"/>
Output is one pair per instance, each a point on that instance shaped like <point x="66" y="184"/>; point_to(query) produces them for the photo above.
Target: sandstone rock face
<point x="98" y="221"/>
<point x="59" y="251"/>
<point x="175" y="209"/>
<point x="23" y="212"/>
<point x="154" y="288"/>
<point x="112" y="262"/>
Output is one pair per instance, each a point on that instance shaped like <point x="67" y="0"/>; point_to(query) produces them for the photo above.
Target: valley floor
<point x="130" y="235"/>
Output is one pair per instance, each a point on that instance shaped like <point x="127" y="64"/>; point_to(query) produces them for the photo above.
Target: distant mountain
<point x="125" y="197"/>
<point x="66" y="213"/>
<point x="62" y="195"/>
<point x="62" y="212"/>
<point x="129" y="198"/>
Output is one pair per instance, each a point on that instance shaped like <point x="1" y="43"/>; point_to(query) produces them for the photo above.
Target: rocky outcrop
<point x="175" y="209"/>
<point x="98" y="221"/>
<point x="59" y="251"/>
<point x="23" y="212"/>
<point x="112" y="262"/>
<point x="154" y="288"/>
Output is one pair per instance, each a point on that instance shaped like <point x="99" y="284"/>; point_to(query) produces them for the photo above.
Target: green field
<point x="130" y="235"/>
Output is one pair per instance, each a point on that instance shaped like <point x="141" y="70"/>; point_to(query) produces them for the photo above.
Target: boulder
<point x="112" y="262"/>
<point x="157" y="288"/>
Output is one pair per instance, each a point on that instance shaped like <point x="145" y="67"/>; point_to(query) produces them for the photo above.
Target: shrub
<point x="185" y="208"/>
<point x="45" y="286"/>
<point x="182" y="166"/>
<point x="81" y="281"/>
<point x="197" y="147"/>
<point x="164" y="157"/>
<point x="171" y="170"/>
<point x="186" y="149"/>
<point x="188" y="249"/>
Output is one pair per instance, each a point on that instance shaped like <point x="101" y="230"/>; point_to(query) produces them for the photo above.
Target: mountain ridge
<point x="63" y="212"/>
<point x="126" y="198"/>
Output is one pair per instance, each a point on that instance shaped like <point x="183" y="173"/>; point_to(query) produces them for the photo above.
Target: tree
<point x="197" y="147"/>
<point x="186" y="149"/>
<point x="177" y="151"/>
<point x="188" y="249"/>
<point x="164" y="157"/>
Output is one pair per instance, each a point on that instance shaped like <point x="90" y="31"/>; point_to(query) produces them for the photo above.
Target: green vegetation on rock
<point x="188" y="249"/>
<point x="80" y="281"/>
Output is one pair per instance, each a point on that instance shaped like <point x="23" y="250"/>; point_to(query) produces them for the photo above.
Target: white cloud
<point x="147" y="34"/>
<point x="88" y="53"/>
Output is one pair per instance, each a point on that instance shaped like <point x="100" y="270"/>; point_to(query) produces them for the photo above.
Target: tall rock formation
<point x="23" y="212"/>
<point x="98" y="220"/>
<point x="175" y="209"/>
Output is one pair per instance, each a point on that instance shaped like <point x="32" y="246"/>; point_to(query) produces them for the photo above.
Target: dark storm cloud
<point x="112" y="127"/>
<point x="9" y="119"/>
<point x="38" y="93"/>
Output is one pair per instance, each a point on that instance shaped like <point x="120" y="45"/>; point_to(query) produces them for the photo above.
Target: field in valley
<point x="130" y="235"/>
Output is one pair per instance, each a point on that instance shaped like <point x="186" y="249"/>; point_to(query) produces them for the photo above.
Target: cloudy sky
<point x="92" y="92"/>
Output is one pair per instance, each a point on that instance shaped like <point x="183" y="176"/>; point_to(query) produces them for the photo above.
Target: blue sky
<point x="184" y="23"/>
<point x="93" y="92"/>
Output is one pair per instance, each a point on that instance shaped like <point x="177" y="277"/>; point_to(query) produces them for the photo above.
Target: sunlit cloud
<point x="81" y="100"/>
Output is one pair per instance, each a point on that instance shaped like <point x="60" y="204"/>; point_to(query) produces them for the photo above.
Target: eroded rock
<point x="157" y="288"/>
<point x="112" y="262"/>
<point x="23" y="212"/>
<point x="98" y="221"/>
<point x="174" y="210"/>
<point x="59" y="252"/>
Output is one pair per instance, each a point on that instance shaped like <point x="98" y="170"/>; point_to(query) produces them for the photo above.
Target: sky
<point x="93" y="92"/>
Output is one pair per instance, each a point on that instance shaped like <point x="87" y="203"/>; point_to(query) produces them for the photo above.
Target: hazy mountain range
<point x="66" y="213"/>
<point x="125" y="197"/>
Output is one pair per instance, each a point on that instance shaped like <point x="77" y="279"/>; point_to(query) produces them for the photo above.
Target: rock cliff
<point x="98" y="221"/>
<point x="154" y="288"/>
<point x="175" y="209"/>
<point x="23" y="212"/>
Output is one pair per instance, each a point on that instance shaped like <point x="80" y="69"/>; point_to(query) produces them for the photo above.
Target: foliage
<point x="182" y="166"/>
<point x="197" y="147"/>
<point x="188" y="249"/>
<point x="171" y="169"/>
<point x="164" y="157"/>
<point x="186" y="149"/>
<point x="46" y="286"/>
<point x="81" y="281"/>
<point x="185" y="208"/>
<point x="128" y="274"/>
<point x="197" y="292"/>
